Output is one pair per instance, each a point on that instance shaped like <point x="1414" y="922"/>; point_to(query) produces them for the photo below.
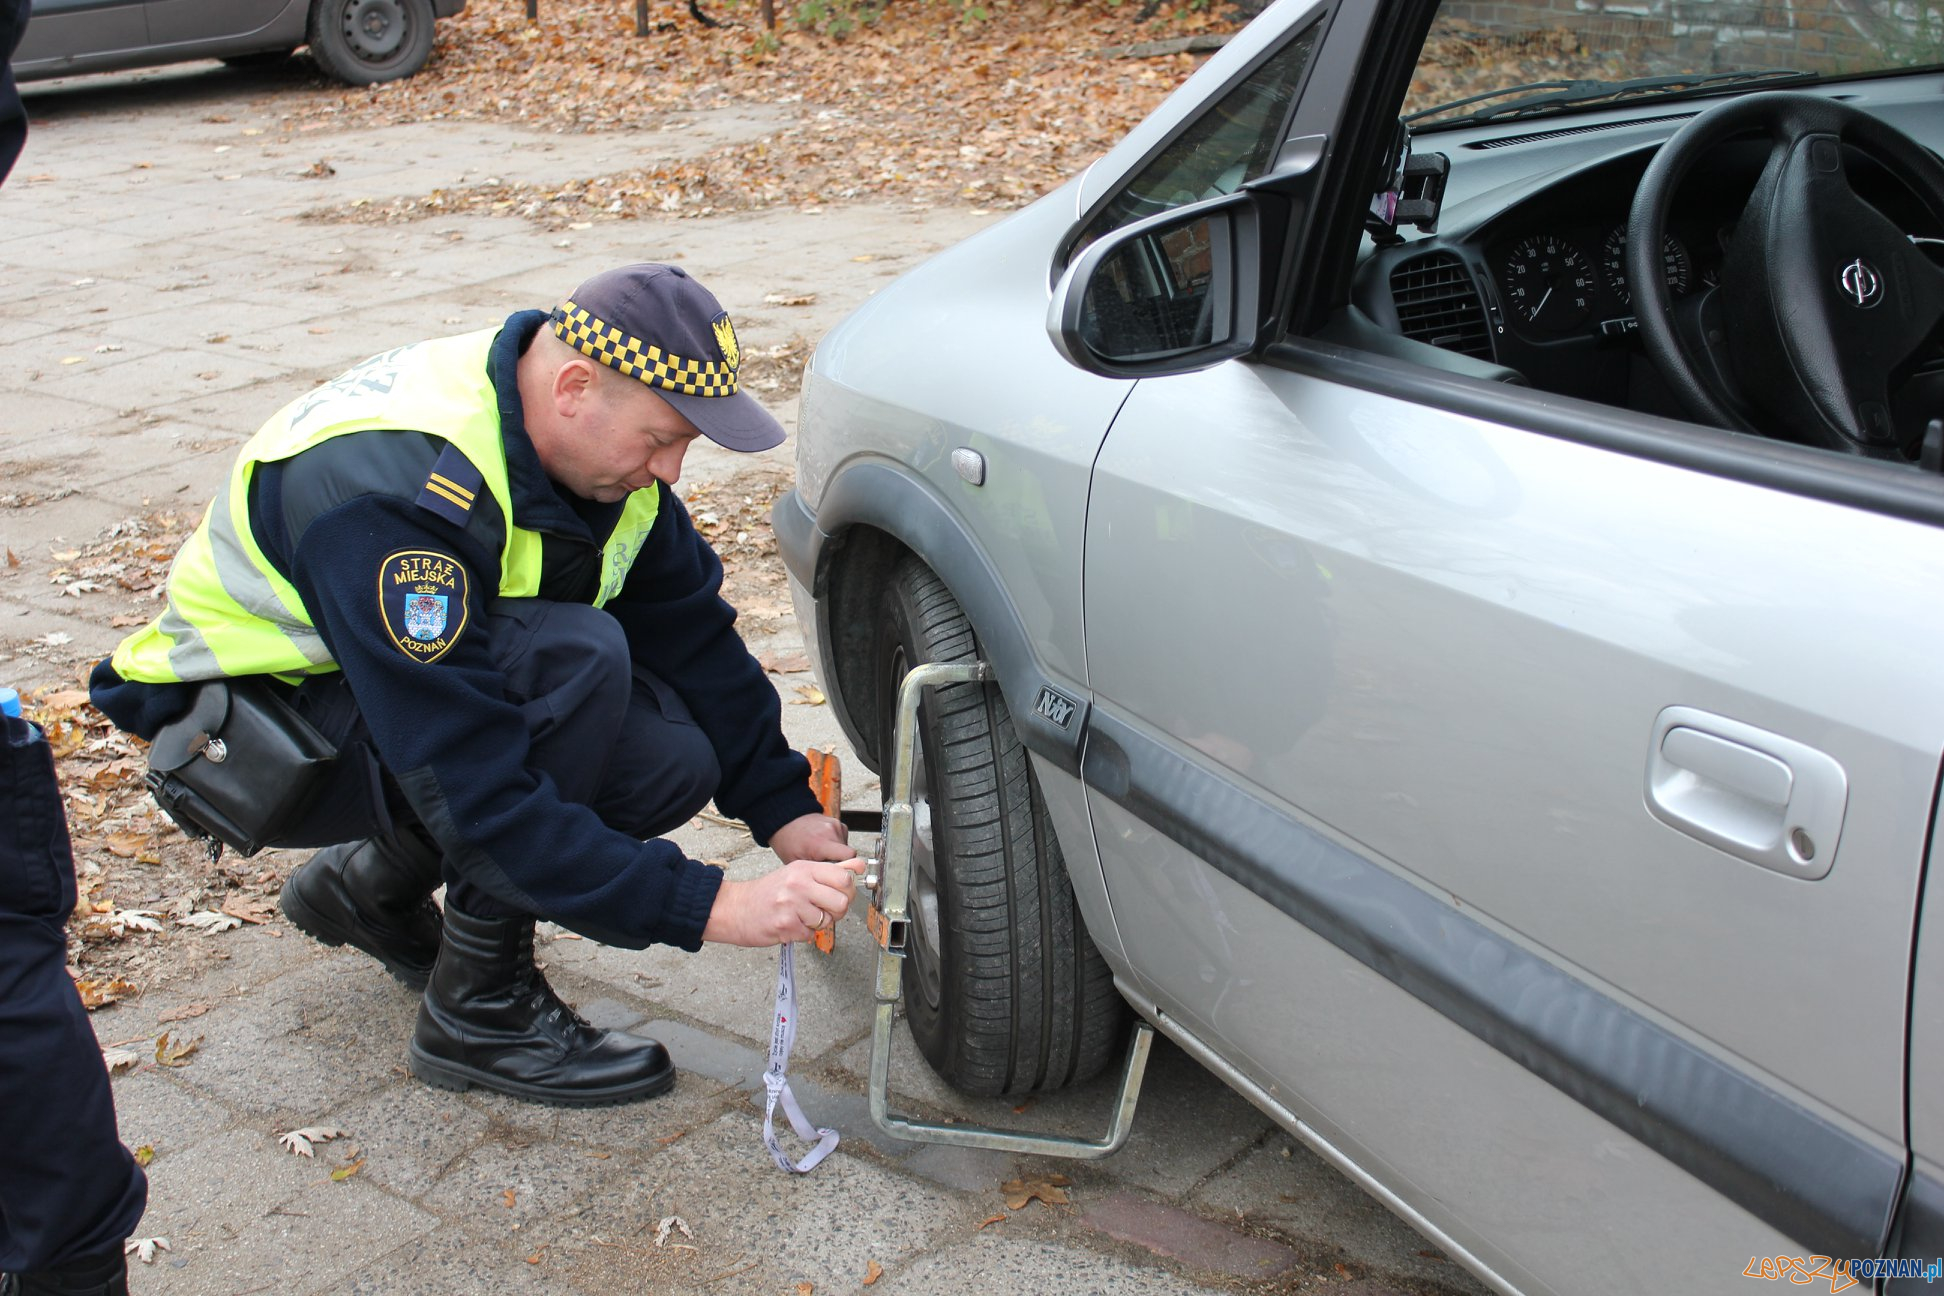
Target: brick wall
<point x="1653" y="36"/>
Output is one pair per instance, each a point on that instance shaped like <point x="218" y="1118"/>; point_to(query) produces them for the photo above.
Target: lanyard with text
<point x="776" y="1080"/>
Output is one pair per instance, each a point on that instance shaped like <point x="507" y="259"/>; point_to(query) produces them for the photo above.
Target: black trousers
<point x="610" y="734"/>
<point x="68" y="1188"/>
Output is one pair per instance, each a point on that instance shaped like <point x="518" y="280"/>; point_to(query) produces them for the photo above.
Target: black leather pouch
<point x="238" y="766"/>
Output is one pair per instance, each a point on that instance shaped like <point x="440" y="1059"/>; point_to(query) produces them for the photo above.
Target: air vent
<point x="1437" y="302"/>
<point x="1510" y="141"/>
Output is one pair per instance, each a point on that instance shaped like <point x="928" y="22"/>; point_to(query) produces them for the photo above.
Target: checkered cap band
<point x="637" y="359"/>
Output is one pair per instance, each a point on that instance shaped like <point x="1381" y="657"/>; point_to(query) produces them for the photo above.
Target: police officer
<point x="463" y="563"/>
<point x="69" y="1191"/>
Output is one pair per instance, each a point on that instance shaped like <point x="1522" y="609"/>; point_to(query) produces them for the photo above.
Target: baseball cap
<point x="654" y="323"/>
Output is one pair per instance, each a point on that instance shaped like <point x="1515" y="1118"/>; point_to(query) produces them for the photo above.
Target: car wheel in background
<point x="360" y="42"/>
<point x="1003" y="989"/>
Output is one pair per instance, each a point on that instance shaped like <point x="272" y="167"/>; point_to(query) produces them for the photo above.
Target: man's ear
<point x="573" y="385"/>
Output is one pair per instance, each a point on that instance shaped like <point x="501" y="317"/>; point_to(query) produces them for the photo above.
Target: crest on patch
<point x="422" y="599"/>
<point x="725" y="335"/>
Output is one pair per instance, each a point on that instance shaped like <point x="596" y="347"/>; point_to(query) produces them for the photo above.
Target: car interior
<point x="1749" y="236"/>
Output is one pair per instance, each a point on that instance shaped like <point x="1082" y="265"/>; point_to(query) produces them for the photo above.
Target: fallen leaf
<point x="72" y="360"/>
<point x="106" y="347"/>
<point x="126" y="845"/>
<point x="75" y="589"/>
<point x="342" y="1173"/>
<point x="209" y="923"/>
<point x="806" y="1289"/>
<point x="122" y="620"/>
<point x="175" y="1055"/>
<point x="65" y="699"/>
<point x="144" y="1154"/>
<point x="250" y="910"/>
<point x="13" y="559"/>
<point x="65" y="555"/>
<point x="790" y="299"/>
<point x="784" y="663"/>
<point x="509" y="1196"/>
<point x="319" y="169"/>
<point x="1343" y="1271"/>
<point x="144" y="1249"/>
<point x="808" y="695"/>
<point x="118" y="1060"/>
<point x="867" y="256"/>
<point x="99" y="994"/>
<point x="872" y="1272"/>
<point x="217" y="337"/>
<point x="1050" y="1189"/>
<point x="299" y="1141"/>
<point x="320" y="328"/>
<point x="671" y="1222"/>
<point x="55" y="640"/>
<point x="183" y="1013"/>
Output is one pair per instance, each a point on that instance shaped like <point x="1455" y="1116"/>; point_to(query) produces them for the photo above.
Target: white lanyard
<point x="775" y="1079"/>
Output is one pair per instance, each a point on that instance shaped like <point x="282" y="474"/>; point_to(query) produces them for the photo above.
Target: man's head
<point x="629" y="370"/>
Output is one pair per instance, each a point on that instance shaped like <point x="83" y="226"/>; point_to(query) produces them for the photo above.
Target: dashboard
<point x="1527" y="269"/>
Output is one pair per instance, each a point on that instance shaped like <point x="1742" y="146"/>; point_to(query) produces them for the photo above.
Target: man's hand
<point x="812" y="837"/>
<point x="789" y="904"/>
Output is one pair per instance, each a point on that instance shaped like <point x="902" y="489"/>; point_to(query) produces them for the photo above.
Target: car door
<point x="173" y="22"/>
<point x="1444" y="771"/>
<point x="69" y="29"/>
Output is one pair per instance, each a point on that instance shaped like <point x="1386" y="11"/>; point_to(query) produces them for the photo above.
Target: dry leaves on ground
<point x="919" y="104"/>
<point x="175" y="1054"/>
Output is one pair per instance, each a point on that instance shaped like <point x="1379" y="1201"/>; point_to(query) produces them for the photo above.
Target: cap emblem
<point x="726" y="339"/>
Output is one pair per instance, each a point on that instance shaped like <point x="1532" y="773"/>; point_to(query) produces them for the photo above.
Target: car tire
<point x="1004" y="991"/>
<point x="362" y="42"/>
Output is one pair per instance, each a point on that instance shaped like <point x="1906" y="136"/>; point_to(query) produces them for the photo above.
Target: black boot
<point x="97" y="1275"/>
<point x="490" y="1019"/>
<point x="374" y="895"/>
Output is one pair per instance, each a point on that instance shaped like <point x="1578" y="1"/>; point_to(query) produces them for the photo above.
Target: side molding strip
<point x="1783" y="1163"/>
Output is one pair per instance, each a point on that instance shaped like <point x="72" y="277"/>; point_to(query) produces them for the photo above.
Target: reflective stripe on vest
<point x="231" y="613"/>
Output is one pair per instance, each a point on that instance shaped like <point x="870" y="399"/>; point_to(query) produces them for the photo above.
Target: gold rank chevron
<point x="630" y="355"/>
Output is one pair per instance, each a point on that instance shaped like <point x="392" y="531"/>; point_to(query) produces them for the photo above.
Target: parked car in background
<point x="356" y="41"/>
<point x="1453" y="503"/>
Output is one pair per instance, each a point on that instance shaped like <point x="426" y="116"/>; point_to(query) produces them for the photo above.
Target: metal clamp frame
<point x="889" y="919"/>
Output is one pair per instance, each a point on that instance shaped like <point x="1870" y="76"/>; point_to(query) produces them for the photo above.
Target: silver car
<point x="1453" y="504"/>
<point x="358" y="42"/>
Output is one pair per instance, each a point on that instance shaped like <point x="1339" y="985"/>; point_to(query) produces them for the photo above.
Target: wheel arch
<point x="871" y="513"/>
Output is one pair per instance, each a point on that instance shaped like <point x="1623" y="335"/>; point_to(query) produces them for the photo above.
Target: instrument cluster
<point x="1572" y="280"/>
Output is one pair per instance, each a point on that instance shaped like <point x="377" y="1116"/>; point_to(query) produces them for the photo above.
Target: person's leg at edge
<point x="70" y="1193"/>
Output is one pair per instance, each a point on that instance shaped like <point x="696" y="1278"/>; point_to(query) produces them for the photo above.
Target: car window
<point x="1231" y="144"/>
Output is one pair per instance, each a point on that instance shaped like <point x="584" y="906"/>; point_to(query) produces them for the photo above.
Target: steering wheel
<point x="1822" y="298"/>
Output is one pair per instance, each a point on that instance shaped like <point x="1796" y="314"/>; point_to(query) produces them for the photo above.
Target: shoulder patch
<point x="451" y="487"/>
<point x="422" y="599"/>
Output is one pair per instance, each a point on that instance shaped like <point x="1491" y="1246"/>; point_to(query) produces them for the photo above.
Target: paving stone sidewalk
<point x="163" y="295"/>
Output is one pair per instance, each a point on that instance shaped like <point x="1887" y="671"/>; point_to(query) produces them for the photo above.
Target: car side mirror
<point x="1167" y="295"/>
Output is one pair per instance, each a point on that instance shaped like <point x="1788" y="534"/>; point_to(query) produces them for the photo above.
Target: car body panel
<point x="1039" y="420"/>
<point x="1438" y="680"/>
<point x="58" y="29"/>
<point x="1923" y="1225"/>
<point x="181" y="21"/>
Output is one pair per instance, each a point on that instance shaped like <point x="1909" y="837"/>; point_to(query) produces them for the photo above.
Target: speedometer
<point x="1548" y="282"/>
<point x="1676" y="265"/>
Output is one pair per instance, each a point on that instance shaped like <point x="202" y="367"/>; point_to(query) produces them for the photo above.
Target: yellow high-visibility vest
<point x="231" y="613"/>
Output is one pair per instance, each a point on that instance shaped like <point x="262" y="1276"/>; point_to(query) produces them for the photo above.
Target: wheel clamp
<point x="888" y="879"/>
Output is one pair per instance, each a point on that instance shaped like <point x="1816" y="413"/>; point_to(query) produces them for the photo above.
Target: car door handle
<point x="1757" y="795"/>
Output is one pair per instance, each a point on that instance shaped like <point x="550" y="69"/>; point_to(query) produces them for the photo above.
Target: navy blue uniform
<point x="68" y="1188"/>
<point x="544" y="817"/>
